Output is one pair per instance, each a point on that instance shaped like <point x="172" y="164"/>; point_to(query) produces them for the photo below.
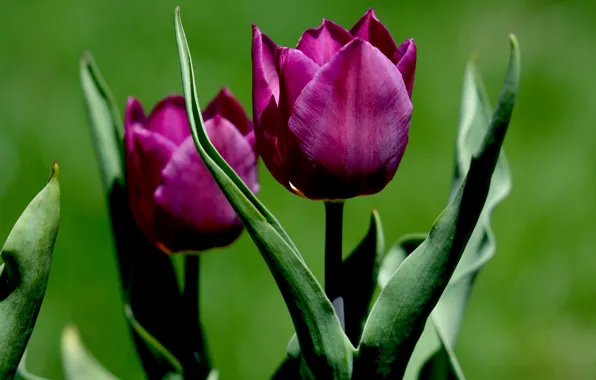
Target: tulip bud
<point x="332" y="116"/>
<point x="173" y="197"/>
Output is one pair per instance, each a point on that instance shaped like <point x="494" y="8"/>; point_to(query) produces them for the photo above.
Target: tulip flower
<point x="173" y="197"/>
<point x="332" y="116"/>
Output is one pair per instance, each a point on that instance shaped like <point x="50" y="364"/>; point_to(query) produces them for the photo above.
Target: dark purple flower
<point x="332" y="116"/>
<point x="173" y="197"/>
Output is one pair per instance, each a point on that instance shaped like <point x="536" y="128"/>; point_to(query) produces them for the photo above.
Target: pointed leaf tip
<point x="400" y="313"/>
<point x="55" y="171"/>
<point x="26" y="257"/>
<point x="326" y="349"/>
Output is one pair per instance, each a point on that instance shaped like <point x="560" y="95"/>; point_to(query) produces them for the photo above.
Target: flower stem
<point x="190" y="306"/>
<point x="334" y="212"/>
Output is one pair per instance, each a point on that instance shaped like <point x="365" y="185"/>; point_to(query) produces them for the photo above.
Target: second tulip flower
<point x="173" y="197"/>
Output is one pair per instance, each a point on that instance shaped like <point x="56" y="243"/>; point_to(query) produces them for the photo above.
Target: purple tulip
<point x="173" y="197"/>
<point x="332" y="116"/>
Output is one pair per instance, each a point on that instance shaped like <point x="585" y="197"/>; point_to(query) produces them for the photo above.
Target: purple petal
<point x="134" y="114"/>
<point x="350" y="125"/>
<point x="320" y="44"/>
<point x="370" y="29"/>
<point x="406" y="63"/>
<point x="190" y="195"/>
<point x="147" y="153"/>
<point x="265" y="82"/>
<point x="225" y="105"/>
<point x="270" y="136"/>
<point x="295" y="71"/>
<point x="169" y="119"/>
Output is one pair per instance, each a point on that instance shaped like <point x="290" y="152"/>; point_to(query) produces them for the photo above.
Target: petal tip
<point x="134" y="112"/>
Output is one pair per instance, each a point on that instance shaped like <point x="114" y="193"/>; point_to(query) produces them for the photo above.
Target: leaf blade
<point x="27" y="256"/>
<point x="399" y="315"/>
<point x="325" y="346"/>
<point x="360" y="272"/>
<point x="447" y="315"/>
<point x="104" y="118"/>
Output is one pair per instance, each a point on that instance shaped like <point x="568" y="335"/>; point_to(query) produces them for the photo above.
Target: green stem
<point x="334" y="212"/>
<point x="190" y="306"/>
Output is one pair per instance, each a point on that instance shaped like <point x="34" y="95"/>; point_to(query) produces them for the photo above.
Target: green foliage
<point x="24" y="273"/>
<point x="398" y="318"/>
<point x="153" y="308"/>
<point x="326" y="349"/>
<point x="434" y="360"/>
<point x="360" y="272"/>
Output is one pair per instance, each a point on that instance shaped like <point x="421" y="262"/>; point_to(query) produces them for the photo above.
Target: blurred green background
<point x="533" y="312"/>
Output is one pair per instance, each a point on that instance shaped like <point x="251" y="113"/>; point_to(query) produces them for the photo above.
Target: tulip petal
<point x="406" y="63"/>
<point x="225" y="105"/>
<point x="147" y="153"/>
<point x="350" y="125"/>
<point x="134" y="113"/>
<point x="190" y="195"/>
<point x="320" y="44"/>
<point x="169" y="119"/>
<point x="295" y="71"/>
<point x="370" y="29"/>
<point x="270" y="136"/>
<point x="264" y="74"/>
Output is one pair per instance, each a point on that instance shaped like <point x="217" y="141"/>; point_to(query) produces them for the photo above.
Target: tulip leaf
<point x="24" y="274"/>
<point x="78" y="363"/>
<point x="360" y="272"/>
<point x="105" y="120"/>
<point x="399" y="316"/>
<point x="429" y="341"/>
<point x="434" y="361"/>
<point x="326" y="349"/>
<point x="397" y="254"/>
<point x="156" y="304"/>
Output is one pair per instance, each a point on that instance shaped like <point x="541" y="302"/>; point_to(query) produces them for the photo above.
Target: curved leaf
<point x="397" y="254"/>
<point x="398" y="317"/>
<point x="325" y="347"/>
<point x="106" y="124"/>
<point x="434" y="361"/>
<point x="156" y="304"/>
<point x="26" y="256"/>
<point x="360" y="271"/>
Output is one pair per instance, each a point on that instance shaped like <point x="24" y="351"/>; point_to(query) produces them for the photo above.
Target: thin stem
<point x="334" y="212"/>
<point x="190" y="306"/>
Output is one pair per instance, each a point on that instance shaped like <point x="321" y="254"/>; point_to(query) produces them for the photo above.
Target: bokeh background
<point x="533" y="312"/>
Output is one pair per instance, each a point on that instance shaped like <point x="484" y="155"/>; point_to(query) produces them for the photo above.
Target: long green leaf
<point x="360" y="272"/>
<point x="325" y="347"/>
<point x="106" y="123"/>
<point x="397" y="254"/>
<point x="398" y="317"/>
<point x="433" y="361"/>
<point x="156" y="304"/>
<point x="26" y="256"/>
<point x="78" y="363"/>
